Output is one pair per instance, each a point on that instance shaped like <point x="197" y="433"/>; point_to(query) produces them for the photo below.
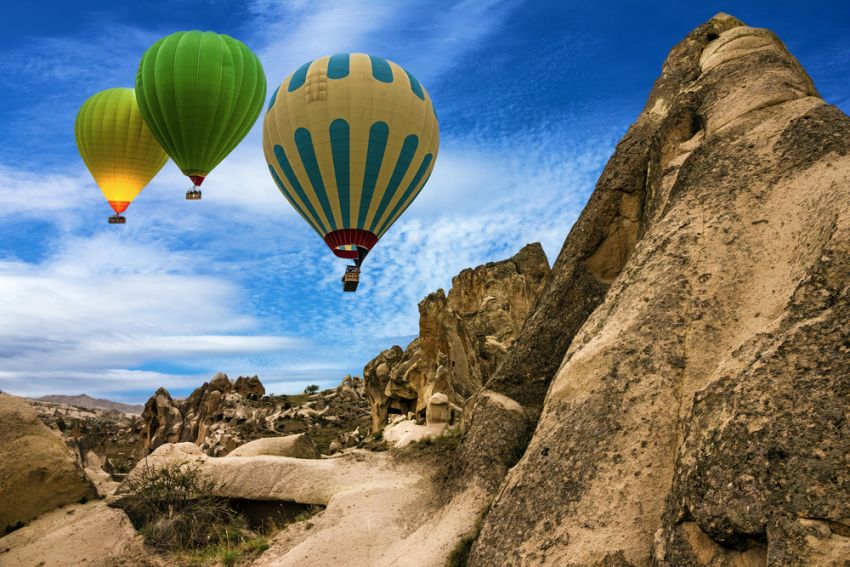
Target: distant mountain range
<point x="85" y="401"/>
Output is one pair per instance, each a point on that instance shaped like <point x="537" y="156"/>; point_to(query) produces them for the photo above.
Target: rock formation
<point x="222" y="415"/>
<point x="104" y="441"/>
<point x="462" y="337"/>
<point x="694" y="331"/>
<point x="38" y="472"/>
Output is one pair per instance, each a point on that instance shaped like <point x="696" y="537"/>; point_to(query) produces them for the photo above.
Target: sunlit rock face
<point x="462" y="337"/>
<point x="696" y="403"/>
<point x="38" y="471"/>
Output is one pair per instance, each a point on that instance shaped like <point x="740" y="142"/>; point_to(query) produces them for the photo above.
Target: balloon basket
<point x="117" y="219"/>
<point x="193" y="195"/>
<point x="351" y="278"/>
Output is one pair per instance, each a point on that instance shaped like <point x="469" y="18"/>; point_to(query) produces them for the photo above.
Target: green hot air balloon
<point x="200" y="93"/>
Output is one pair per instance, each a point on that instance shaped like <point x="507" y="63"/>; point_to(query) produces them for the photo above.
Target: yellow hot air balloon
<point x="350" y="141"/>
<point x="118" y="147"/>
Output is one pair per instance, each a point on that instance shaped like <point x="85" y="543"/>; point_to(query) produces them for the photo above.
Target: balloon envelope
<point x="200" y="93"/>
<point x="350" y="141"/>
<point x="116" y="145"/>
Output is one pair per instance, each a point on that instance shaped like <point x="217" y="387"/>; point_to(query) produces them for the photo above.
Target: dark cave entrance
<point x="268" y="515"/>
<point x="400" y="406"/>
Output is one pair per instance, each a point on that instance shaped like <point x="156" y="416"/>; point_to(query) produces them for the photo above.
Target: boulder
<point x="439" y="409"/>
<point x="38" y="472"/>
<point x="249" y="387"/>
<point x="404" y="432"/>
<point x="221" y="383"/>
<point x="299" y="446"/>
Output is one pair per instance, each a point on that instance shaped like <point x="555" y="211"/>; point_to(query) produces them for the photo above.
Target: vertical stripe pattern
<point x="350" y="140"/>
<point x="374" y="158"/>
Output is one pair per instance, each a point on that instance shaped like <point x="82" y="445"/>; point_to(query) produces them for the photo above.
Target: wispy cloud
<point x="427" y="37"/>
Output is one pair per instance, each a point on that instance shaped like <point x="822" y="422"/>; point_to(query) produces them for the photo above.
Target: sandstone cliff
<point x="692" y="341"/>
<point x="462" y="337"/>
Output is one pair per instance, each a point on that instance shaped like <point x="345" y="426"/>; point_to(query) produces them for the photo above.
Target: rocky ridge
<point x="221" y="415"/>
<point x="86" y="401"/>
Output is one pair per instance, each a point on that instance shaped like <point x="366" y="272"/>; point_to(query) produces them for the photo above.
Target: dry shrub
<point x="174" y="508"/>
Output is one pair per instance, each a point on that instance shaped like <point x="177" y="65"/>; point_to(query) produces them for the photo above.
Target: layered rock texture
<point x="221" y="415"/>
<point x="693" y="336"/>
<point x="462" y="337"/>
<point x="38" y="472"/>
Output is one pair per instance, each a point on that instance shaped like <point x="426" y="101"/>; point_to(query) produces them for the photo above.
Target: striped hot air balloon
<point x="117" y="147"/>
<point x="200" y="93"/>
<point x="350" y="141"/>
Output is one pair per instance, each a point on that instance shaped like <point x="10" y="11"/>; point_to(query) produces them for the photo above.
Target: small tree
<point x="311" y="389"/>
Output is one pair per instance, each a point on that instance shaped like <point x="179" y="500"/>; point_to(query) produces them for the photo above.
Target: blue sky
<point x="532" y="97"/>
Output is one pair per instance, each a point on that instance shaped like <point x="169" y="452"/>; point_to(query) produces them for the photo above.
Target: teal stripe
<point x="381" y="70"/>
<point x="415" y="86"/>
<point x="410" y="189"/>
<point x="304" y="143"/>
<point x="408" y="149"/>
<point x="274" y="97"/>
<point x="285" y="192"/>
<point x="378" y="134"/>
<point x="340" y="142"/>
<point x="299" y="77"/>
<point x="338" y="66"/>
<point x="290" y="176"/>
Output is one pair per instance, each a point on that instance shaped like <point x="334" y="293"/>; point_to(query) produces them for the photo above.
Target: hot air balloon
<point x="350" y="141"/>
<point x="200" y="93"/>
<point x="118" y="148"/>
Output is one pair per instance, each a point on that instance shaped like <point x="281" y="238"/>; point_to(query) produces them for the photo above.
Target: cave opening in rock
<point x="268" y="515"/>
<point x="401" y="406"/>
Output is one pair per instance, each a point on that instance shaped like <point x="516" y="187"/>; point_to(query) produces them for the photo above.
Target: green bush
<point x="174" y="509"/>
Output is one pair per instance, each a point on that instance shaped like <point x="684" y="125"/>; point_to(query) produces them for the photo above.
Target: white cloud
<point x="426" y="37"/>
<point x="84" y="313"/>
<point x="25" y="192"/>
